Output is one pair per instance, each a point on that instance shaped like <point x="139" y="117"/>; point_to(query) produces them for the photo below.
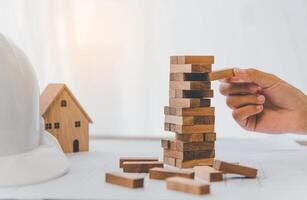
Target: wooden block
<point x="189" y="120"/>
<point x="190" y="85"/>
<point x="193" y="163"/>
<point x="169" y="161"/>
<point x="197" y="137"/>
<point x="140" y="166"/>
<point x="191" y="59"/>
<point x="164" y="173"/>
<point x="189" y="155"/>
<point x="165" y="144"/>
<point x="124" y="159"/>
<point x="202" y="111"/>
<point x="188" y="185"/>
<point x="189" y="76"/>
<point x="235" y="169"/>
<point x="126" y="180"/>
<point x="208" y="173"/>
<point x="210" y="137"/>
<point x="190" y="68"/>
<point x="189" y="103"/>
<point x="190" y="93"/>
<point x="178" y="145"/>
<point x="189" y="129"/>
<point x="221" y="74"/>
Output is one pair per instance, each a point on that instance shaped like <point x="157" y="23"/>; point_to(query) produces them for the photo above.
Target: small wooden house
<point x="65" y="118"/>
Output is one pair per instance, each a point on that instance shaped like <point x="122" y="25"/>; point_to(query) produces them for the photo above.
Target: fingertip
<point x="259" y="108"/>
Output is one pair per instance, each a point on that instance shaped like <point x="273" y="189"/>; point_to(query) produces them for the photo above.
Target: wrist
<point x="303" y="117"/>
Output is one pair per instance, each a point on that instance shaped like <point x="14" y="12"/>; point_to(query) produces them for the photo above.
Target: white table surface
<point x="282" y="173"/>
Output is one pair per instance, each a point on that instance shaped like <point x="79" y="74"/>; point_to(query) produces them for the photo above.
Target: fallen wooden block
<point x="140" y="166"/>
<point x="189" y="155"/>
<point x="188" y="76"/>
<point x="190" y="85"/>
<point x="191" y="59"/>
<point x="235" y="169"/>
<point x="188" y="129"/>
<point x="189" y="120"/>
<point x="208" y="173"/>
<point x="196" y="137"/>
<point x="201" y="111"/>
<point x="124" y="159"/>
<point x="177" y="145"/>
<point x="190" y="68"/>
<point x="126" y="180"/>
<point x="190" y="93"/>
<point x="221" y="74"/>
<point x="189" y="103"/>
<point x="188" y="185"/>
<point x="192" y="163"/>
<point x="163" y="173"/>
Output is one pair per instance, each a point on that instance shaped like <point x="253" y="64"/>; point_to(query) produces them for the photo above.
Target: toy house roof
<point x="51" y="93"/>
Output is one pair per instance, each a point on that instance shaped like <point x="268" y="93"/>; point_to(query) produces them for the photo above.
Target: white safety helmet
<point x="28" y="154"/>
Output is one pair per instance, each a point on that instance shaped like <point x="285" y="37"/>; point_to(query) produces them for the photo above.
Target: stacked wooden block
<point x="189" y="113"/>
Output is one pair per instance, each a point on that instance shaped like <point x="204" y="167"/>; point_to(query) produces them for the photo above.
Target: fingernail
<point x="253" y="88"/>
<point x="259" y="88"/>
<point x="261" y="98"/>
<point x="259" y="107"/>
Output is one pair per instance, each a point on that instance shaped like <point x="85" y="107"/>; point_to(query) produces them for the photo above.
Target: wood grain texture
<point x="197" y="137"/>
<point x="190" y="68"/>
<point x="189" y="103"/>
<point x="189" y="155"/>
<point x="179" y="76"/>
<point x="125" y="159"/>
<point x="232" y="168"/>
<point x="208" y="173"/>
<point x="189" y="129"/>
<point x="140" y="166"/>
<point x="164" y="173"/>
<point x="165" y="144"/>
<point x="126" y="180"/>
<point x="192" y="163"/>
<point x="190" y="85"/>
<point x="188" y="185"/>
<point x="189" y="120"/>
<point x="178" y="145"/>
<point x="221" y="74"/>
<point x="192" y="59"/>
<point x="190" y="93"/>
<point x="202" y="111"/>
<point x="169" y="161"/>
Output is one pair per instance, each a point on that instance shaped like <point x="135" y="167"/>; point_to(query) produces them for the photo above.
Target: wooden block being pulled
<point x="189" y="76"/>
<point x="235" y="169"/>
<point x="163" y="173"/>
<point x="221" y="74"/>
<point x="187" y="185"/>
<point x="189" y="103"/>
<point x="189" y="129"/>
<point x="192" y="163"/>
<point x="208" y="173"/>
<point x="140" y="166"/>
<point x="190" y="68"/>
<point x="124" y="159"/>
<point x="126" y="180"/>
<point x="192" y="59"/>
<point x="178" y="145"/>
<point x="201" y="111"/>
<point x="189" y="120"/>
<point x="189" y="155"/>
<point x="190" y="85"/>
<point x="190" y="93"/>
<point x="197" y="137"/>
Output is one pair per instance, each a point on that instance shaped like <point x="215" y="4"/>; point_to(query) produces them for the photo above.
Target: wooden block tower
<point x="189" y="113"/>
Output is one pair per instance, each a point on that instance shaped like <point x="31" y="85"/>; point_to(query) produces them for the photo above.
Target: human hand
<point x="263" y="102"/>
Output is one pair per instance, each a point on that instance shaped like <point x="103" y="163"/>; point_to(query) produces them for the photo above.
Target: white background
<point x="114" y="54"/>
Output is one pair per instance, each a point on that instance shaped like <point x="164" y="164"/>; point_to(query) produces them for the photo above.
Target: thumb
<point x="263" y="79"/>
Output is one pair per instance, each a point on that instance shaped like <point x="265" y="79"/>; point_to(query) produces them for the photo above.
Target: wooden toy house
<point x="65" y="118"/>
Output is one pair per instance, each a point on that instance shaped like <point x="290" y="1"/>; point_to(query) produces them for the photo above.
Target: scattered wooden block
<point x="192" y="163"/>
<point x="192" y="60"/>
<point x="190" y="93"/>
<point x="177" y="145"/>
<point x="169" y="161"/>
<point x="124" y="159"/>
<point x="140" y="166"/>
<point x="189" y="76"/>
<point x="196" y="137"/>
<point x="235" y="169"/>
<point x="163" y="173"/>
<point x="189" y="155"/>
<point x="189" y="120"/>
<point x="221" y="74"/>
<point x="202" y="111"/>
<point x="126" y="180"/>
<point x="190" y="85"/>
<point x="208" y="173"/>
<point x="189" y="129"/>
<point x="189" y="103"/>
<point x="188" y="185"/>
<point x="190" y="68"/>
